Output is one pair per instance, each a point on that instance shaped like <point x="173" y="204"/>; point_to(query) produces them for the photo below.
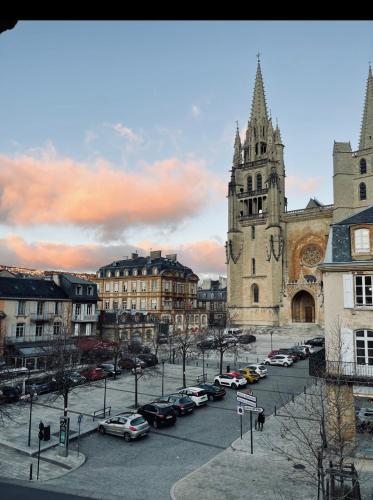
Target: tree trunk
<point x="184" y="378"/>
<point x="136" y="387"/>
<point x="65" y="401"/>
<point x="221" y="362"/>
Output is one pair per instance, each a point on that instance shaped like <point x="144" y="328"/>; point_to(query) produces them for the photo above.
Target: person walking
<point x="256" y="422"/>
<point x="261" y="420"/>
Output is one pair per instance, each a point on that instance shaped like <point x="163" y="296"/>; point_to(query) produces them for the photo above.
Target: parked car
<point x="294" y="355"/>
<point x="213" y="391"/>
<point x="157" y="413"/>
<point x="230" y="380"/>
<point x="279" y="360"/>
<point x="9" y="394"/>
<point x="365" y="415"/>
<point x="311" y="348"/>
<point x="131" y="363"/>
<point x="250" y="375"/>
<point x="260" y="369"/>
<point x="316" y="342"/>
<point x="196" y="394"/>
<point x="76" y="378"/>
<point x="41" y="384"/>
<point x="207" y="343"/>
<point x="127" y="425"/>
<point x="109" y="368"/>
<point x="149" y="359"/>
<point x="273" y="353"/>
<point x="302" y="353"/>
<point x="163" y="339"/>
<point x="181" y="404"/>
<point x="92" y="374"/>
<point x="246" y="339"/>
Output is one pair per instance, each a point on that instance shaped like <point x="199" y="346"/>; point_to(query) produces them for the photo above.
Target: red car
<point x="93" y="373"/>
<point x="273" y="353"/>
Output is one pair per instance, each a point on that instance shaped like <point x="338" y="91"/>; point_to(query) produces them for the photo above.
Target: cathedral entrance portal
<point x="303" y="308"/>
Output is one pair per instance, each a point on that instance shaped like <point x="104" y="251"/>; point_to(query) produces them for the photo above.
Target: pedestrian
<point x="261" y="420"/>
<point x="256" y="422"/>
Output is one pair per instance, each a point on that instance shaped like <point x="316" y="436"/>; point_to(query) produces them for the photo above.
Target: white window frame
<point x="362" y="240"/>
<point x="366" y="290"/>
<point x="363" y="336"/>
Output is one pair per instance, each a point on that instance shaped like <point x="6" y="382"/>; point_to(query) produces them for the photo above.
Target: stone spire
<point x="237" y="158"/>
<point x="259" y="107"/>
<point x="366" y="135"/>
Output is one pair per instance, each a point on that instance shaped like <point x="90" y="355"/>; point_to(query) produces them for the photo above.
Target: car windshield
<point x="164" y="409"/>
<point x="184" y="400"/>
<point x="138" y="421"/>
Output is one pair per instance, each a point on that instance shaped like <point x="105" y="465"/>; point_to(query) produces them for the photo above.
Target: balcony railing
<point x="86" y="317"/>
<point x="262" y="215"/>
<point x="13" y="339"/>
<point x="257" y="192"/>
<point x="45" y="316"/>
<point x="343" y="371"/>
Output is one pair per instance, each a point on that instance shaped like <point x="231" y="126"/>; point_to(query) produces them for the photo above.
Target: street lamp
<point x="32" y="392"/>
<point x="105" y="397"/>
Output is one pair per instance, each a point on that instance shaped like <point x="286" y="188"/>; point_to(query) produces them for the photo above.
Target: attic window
<point x="362" y="242"/>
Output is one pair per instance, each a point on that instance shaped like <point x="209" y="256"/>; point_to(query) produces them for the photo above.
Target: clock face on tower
<point x="311" y="255"/>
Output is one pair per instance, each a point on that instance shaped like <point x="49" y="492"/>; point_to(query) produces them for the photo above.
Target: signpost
<point x="80" y="418"/>
<point x="250" y="403"/>
<point x="240" y="411"/>
<point x="64" y="436"/>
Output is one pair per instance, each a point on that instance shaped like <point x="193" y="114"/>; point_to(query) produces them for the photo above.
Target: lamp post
<point x="162" y="378"/>
<point x="29" y="423"/>
<point x="105" y="398"/>
<point x="41" y="436"/>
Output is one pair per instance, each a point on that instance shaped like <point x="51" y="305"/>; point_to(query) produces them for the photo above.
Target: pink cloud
<point x="50" y="190"/>
<point x="202" y="256"/>
<point x="304" y="185"/>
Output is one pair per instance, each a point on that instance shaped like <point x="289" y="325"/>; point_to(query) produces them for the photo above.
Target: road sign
<point x="80" y="418"/>
<point x="249" y="392"/>
<point x="246" y="396"/>
<point x="240" y="410"/>
<point x="251" y="408"/>
<point x="246" y="402"/>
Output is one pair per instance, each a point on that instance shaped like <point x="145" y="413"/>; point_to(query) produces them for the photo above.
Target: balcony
<point x="28" y="338"/>
<point x="43" y="316"/>
<point x="340" y="371"/>
<point x="85" y="318"/>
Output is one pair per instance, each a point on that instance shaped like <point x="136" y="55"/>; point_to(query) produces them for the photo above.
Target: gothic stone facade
<point x="273" y="254"/>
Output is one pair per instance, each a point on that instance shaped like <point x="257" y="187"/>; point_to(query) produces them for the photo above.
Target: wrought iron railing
<point x="345" y="371"/>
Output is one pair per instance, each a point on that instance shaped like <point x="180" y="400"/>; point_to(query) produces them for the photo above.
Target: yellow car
<point x="249" y="375"/>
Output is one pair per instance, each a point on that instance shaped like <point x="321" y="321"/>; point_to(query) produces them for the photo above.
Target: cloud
<point x="195" y="111"/>
<point x="126" y="133"/>
<point x="52" y="190"/>
<point x="90" y="137"/>
<point x="206" y="256"/>
<point x="304" y="185"/>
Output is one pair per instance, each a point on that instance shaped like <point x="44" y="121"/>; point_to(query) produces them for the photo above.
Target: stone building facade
<point x="272" y="253"/>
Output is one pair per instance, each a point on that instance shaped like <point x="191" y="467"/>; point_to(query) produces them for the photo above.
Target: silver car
<point x="127" y="425"/>
<point x="260" y="369"/>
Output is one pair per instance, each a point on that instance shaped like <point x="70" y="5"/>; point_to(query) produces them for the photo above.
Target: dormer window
<point x="79" y="290"/>
<point x="155" y="270"/>
<point x="108" y="274"/>
<point x="144" y="272"/>
<point x="134" y="272"/>
<point x="363" y="166"/>
<point x="362" y="241"/>
<point x="117" y="273"/>
<point x="90" y="290"/>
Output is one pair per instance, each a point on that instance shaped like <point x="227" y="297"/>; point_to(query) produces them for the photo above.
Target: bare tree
<point x="184" y="340"/>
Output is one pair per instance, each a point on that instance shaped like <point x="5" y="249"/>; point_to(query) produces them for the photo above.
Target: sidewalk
<point x="266" y="474"/>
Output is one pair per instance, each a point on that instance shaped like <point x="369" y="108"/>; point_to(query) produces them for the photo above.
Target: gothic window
<point x="260" y="206"/>
<point x="253" y="267"/>
<point x="362" y="243"/>
<point x="241" y="213"/>
<point x="362" y="191"/>
<point x="255" y="292"/>
<point x="363" y="166"/>
<point x="257" y="148"/>
<point x="253" y="232"/>
<point x="263" y="147"/>
<point x="249" y="183"/>
<point x="258" y="182"/>
<point x="311" y="255"/>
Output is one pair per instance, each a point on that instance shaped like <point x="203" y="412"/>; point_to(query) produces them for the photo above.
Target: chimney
<point x="156" y="254"/>
<point x="172" y="256"/>
<point x="134" y="255"/>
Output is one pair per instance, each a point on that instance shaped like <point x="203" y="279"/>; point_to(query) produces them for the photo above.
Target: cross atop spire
<point x="366" y="135"/>
<point x="259" y="107"/>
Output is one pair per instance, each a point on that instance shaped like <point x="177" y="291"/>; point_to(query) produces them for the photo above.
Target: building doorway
<point x="303" y="308"/>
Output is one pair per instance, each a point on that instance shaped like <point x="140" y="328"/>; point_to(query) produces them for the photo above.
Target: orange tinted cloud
<point x="202" y="256"/>
<point x="50" y="190"/>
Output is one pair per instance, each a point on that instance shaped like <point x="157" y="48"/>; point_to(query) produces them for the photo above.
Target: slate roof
<point x="161" y="263"/>
<point x="34" y="288"/>
<point x="363" y="217"/>
<point x="76" y="280"/>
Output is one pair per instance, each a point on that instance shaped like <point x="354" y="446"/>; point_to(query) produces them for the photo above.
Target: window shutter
<point x="348" y="292"/>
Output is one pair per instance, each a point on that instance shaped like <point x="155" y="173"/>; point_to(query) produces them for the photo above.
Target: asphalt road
<point x="147" y="469"/>
<point x="10" y="491"/>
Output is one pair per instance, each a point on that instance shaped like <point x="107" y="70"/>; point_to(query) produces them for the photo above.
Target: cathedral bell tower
<point x="256" y="201"/>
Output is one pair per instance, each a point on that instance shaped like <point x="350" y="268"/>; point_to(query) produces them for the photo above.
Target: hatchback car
<point x="131" y="363"/>
<point x="250" y="375"/>
<point x="158" y="413"/>
<point x="41" y="385"/>
<point x="93" y="374"/>
<point x="9" y="394"/>
<point x="109" y="368"/>
<point x="246" y="339"/>
<point x="316" y="342"/>
<point x="149" y="359"/>
<point x="182" y="404"/>
<point x="260" y="369"/>
<point x="230" y="380"/>
<point x="196" y="394"/>
<point x="279" y="360"/>
<point x="213" y="391"/>
<point x="127" y="425"/>
<point x="294" y="355"/>
<point x="75" y="378"/>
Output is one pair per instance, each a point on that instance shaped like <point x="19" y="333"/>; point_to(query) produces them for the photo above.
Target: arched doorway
<point x="303" y="308"/>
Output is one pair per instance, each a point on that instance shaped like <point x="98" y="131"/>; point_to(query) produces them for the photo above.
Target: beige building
<point x="155" y="285"/>
<point x="272" y="253"/>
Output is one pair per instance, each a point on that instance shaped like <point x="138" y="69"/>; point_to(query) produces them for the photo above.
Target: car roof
<point x="192" y="388"/>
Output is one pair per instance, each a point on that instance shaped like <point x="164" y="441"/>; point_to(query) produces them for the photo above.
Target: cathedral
<point x="273" y="253"/>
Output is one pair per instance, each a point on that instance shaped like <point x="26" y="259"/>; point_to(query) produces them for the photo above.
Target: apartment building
<point x="155" y="285"/>
<point x="212" y="297"/>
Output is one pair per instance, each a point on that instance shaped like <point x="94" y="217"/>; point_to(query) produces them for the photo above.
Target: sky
<point x="117" y="136"/>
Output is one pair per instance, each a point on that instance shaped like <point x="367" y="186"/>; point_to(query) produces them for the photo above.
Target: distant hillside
<point x="39" y="273"/>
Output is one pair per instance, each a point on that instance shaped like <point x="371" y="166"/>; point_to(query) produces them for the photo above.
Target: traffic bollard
<point x="30" y="472"/>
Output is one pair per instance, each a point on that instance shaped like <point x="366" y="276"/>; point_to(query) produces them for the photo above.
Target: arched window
<point x="263" y="147"/>
<point x="255" y="293"/>
<point x="362" y="191"/>
<point x="258" y="182"/>
<point x="253" y="267"/>
<point x="249" y="183"/>
<point x="257" y="148"/>
<point x="362" y="242"/>
<point x="363" y="166"/>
